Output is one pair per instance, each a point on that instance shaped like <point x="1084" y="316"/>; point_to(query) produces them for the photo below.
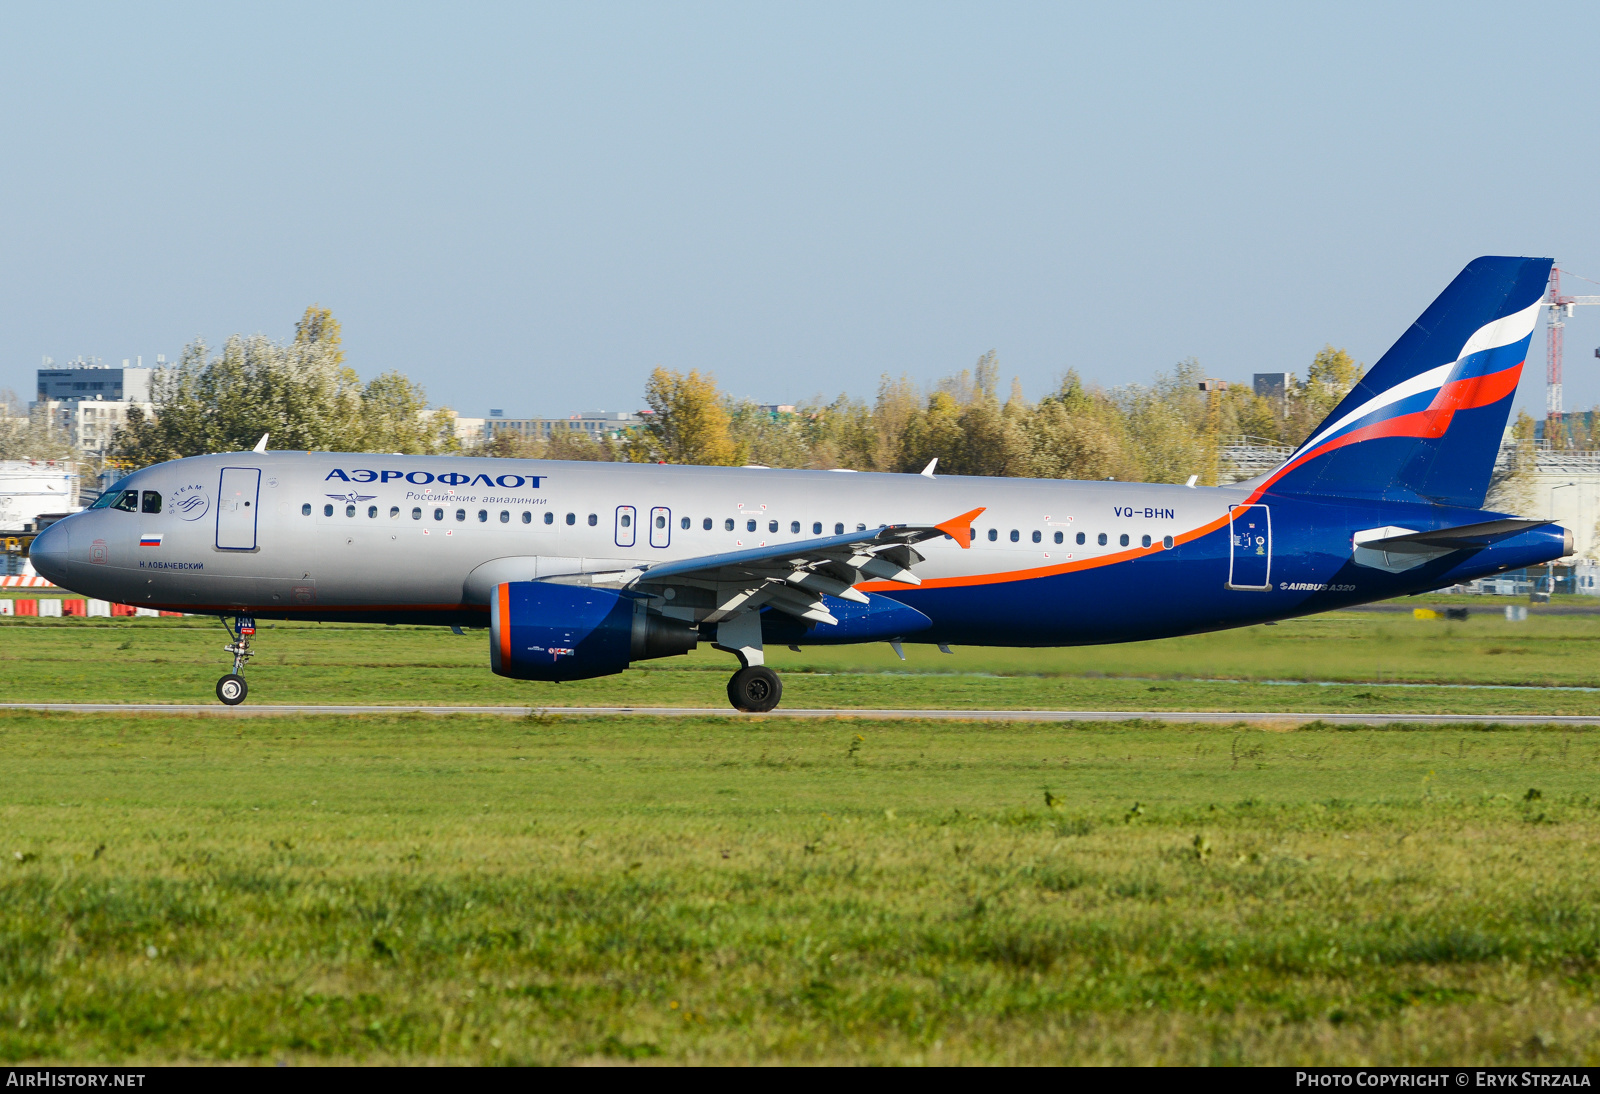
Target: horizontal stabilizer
<point x="1460" y="538"/>
<point x="1400" y="549"/>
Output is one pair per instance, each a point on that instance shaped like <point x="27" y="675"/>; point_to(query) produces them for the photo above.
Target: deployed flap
<point x="795" y="577"/>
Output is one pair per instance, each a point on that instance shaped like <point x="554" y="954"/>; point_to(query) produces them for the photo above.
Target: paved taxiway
<point x="1211" y="716"/>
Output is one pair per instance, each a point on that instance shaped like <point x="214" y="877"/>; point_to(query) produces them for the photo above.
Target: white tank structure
<point x="30" y="489"/>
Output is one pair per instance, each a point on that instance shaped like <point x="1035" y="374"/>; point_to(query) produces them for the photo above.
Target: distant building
<point x="88" y="401"/>
<point x="91" y="424"/>
<point x="1272" y="385"/>
<point x="597" y="424"/>
<point x="32" y="492"/>
<point x="91" y="380"/>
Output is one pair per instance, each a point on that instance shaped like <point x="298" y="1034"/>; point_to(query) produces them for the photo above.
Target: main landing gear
<point x="754" y="689"/>
<point x="232" y="689"/>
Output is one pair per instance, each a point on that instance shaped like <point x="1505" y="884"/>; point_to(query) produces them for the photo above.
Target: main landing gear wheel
<point x="232" y="689"/>
<point x="755" y="690"/>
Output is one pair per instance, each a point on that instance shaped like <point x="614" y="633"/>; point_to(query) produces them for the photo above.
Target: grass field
<point x="500" y="890"/>
<point x="508" y="890"/>
<point x="1363" y="656"/>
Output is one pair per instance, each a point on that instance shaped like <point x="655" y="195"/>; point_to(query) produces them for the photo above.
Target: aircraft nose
<point x="49" y="553"/>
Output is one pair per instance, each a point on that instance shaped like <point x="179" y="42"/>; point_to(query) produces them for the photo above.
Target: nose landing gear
<point x="232" y="689"/>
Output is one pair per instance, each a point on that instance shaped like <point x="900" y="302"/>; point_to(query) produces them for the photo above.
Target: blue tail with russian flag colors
<point x="1425" y="423"/>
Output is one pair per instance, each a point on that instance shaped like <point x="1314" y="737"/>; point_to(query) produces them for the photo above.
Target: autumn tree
<point x="688" y="422"/>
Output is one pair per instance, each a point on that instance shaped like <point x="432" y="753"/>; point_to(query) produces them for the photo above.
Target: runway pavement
<point x="258" y="710"/>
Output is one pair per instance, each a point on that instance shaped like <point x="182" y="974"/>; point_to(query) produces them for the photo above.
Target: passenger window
<point x="151" y="503"/>
<point x="594" y="520"/>
<point x="1015" y="536"/>
<point x="372" y="512"/>
<point x="994" y="534"/>
<point x="394" y="512"/>
<point x="684" y="522"/>
<point x="772" y="526"/>
<point x="505" y="516"/>
<point x="572" y="518"/>
<point x="1037" y="537"/>
<point x="727" y="525"/>
<point x="483" y="516"/>
<point x="461" y="514"/>
<point x="749" y="526"/>
<point x="838" y="529"/>
<point x="327" y="510"/>
<point x="549" y="518"/>
<point x="861" y="527"/>
<point x="1101" y="539"/>
<point x="626" y="520"/>
<point x="305" y="510"/>
<point x="527" y="517"/>
<point x="127" y="501"/>
<point x="349" y="510"/>
<point x="1144" y="541"/>
<point x="1166" y="543"/>
<point x="794" y="528"/>
<point x="661" y="521"/>
<point x="1060" y="538"/>
<point x="816" y="528"/>
<point x="416" y="513"/>
<point x="438" y="514"/>
<point x="706" y="524"/>
<point x="1124" y="540"/>
<point x="1080" y="538"/>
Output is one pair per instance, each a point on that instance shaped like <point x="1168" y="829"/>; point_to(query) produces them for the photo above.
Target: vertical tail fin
<point x="1425" y="424"/>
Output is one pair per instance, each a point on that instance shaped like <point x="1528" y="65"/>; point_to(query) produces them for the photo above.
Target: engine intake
<point x="539" y="630"/>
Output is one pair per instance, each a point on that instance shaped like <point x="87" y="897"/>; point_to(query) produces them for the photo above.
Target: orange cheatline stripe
<point x="1050" y="571"/>
<point x="504" y="619"/>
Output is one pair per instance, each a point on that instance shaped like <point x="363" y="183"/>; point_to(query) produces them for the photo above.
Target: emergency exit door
<point x="1250" y="548"/>
<point x="237" y="505"/>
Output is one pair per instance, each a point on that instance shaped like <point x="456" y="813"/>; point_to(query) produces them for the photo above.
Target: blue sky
<point x="528" y="206"/>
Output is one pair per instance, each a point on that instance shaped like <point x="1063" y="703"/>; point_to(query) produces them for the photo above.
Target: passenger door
<point x="626" y="519"/>
<point x="660" y="527"/>
<point x="237" y="502"/>
<point x="1250" y="548"/>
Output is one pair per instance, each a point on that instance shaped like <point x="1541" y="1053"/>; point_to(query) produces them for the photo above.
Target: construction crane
<point x="1560" y="310"/>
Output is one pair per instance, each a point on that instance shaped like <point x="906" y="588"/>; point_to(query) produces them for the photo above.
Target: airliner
<point x="579" y="570"/>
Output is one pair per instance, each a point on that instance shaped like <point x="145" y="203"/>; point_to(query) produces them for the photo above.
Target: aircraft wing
<point x="793" y="577"/>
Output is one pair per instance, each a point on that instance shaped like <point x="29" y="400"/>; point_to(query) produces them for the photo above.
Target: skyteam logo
<point x="191" y="502"/>
<point x="423" y="478"/>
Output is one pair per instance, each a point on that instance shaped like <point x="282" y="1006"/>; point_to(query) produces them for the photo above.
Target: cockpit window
<point x="127" y="501"/>
<point x="151" y="503"/>
<point x="106" y="499"/>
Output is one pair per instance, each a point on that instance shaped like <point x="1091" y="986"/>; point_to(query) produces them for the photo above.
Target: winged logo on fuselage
<point x="352" y="497"/>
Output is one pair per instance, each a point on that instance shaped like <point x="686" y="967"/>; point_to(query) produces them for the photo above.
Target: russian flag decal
<point x="149" y="540"/>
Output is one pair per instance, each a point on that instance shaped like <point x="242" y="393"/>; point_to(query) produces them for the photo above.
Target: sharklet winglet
<point x="960" y="528"/>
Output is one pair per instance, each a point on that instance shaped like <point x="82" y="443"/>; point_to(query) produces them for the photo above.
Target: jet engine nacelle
<point x="539" y="630"/>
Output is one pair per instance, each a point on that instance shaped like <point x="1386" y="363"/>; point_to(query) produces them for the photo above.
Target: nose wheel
<point x="755" y="689"/>
<point x="232" y="689"/>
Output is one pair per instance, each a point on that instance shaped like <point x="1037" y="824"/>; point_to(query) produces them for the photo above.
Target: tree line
<point x="306" y="397"/>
